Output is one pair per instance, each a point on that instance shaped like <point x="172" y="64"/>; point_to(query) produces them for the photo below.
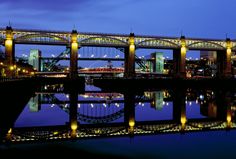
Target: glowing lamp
<point x="228" y="118"/>
<point x="11" y="68"/>
<point x="74" y="126"/>
<point x="229" y="51"/>
<point x="10" y="131"/>
<point x="183" y="120"/>
<point x="183" y="50"/>
<point x="131" y="122"/>
<point x="74" y="45"/>
<point x="8" y="42"/>
<point x="132" y="47"/>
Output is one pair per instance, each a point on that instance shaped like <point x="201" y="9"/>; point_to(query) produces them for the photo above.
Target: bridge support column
<point x="179" y="59"/>
<point x="129" y="106"/>
<point x="10" y="51"/>
<point x="179" y="107"/>
<point x="74" y="55"/>
<point x="130" y="58"/>
<point x="224" y="69"/>
<point x="73" y="113"/>
<point x="224" y="102"/>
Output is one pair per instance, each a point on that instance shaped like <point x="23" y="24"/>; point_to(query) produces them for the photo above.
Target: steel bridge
<point x="75" y="40"/>
<point x="49" y="37"/>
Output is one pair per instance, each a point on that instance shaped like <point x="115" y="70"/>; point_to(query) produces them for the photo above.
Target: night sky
<point x="194" y="18"/>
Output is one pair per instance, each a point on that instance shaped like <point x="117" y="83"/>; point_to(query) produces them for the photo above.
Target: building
<point x="158" y="66"/>
<point x="210" y="56"/>
<point x="34" y="105"/>
<point x="34" y="59"/>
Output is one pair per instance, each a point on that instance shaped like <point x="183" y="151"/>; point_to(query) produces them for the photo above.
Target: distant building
<point x="34" y="59"/>
<point x="210" y="56"/>
<point x="34" y="104"/>
<point x="158" y="66"/>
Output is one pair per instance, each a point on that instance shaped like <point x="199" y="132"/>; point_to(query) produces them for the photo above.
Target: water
<point x="162" y="123"/>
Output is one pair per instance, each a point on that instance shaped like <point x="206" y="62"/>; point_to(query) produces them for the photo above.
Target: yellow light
<point x="74" y="38"/>
<point x="23" y="70"/>
<point x="55" y="133"/>
<point x="132" y="48"/>
<point x="183" y="120"/>
<point x="32" y="73"/>
<point x="183" y="50"/>
<point x="10" y="131"/>
<point x="1" y="63"/>
<point x="11" y="68"/>
<point x="228" y="118"/>
<point x="74" y="126"/>
<point x="229" y="51"/>
<point x="74" y="45"/>
<point x="131" y="122"/>
<point x="8" y="42"/>
<point x="18" y="69"/>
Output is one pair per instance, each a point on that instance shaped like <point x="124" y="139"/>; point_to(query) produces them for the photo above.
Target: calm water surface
<point x="152" y="124"/>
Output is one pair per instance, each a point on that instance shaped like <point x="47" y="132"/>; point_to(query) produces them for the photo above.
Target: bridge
<point x="9" y="37"/>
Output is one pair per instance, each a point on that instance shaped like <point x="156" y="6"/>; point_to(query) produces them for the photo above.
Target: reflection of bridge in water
<point x="215" y="105"/>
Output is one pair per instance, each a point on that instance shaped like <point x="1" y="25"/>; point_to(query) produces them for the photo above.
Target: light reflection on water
<point x="95" y="106"/>
<point x="54" y="113"/>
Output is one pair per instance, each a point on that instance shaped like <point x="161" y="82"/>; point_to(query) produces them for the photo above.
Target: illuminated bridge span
<point x="47" y="37"/>
<point x="111" y="130"/>
<point x="130" y="43"/>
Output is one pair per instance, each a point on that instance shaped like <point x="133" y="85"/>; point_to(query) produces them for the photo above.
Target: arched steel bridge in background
<point x="46" y="37"/>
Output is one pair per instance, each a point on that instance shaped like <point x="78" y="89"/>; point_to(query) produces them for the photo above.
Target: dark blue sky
<point x="194" y="18"/>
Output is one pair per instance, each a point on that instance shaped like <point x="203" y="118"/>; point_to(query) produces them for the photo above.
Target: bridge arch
<point x="159" y="43"/>
<point x="206" y="45"/>
<point x="103" y="40"/>
<point x="37" y="37"/>
<point x="97" y="120"/>
<point x="101" y="119"/>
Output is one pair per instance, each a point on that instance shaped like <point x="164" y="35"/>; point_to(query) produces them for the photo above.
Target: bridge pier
<point x="179" y="107"/>
<point x="74" y="55"/>
<point x="179" y="59"/>
<point x="73" y="96"/>
<point x="223" y="102"/>
<point x="129" y="117"/>
<point x="10" y="51"/>
<point x="130" y="58"/>
<point x="224" y="67"/>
